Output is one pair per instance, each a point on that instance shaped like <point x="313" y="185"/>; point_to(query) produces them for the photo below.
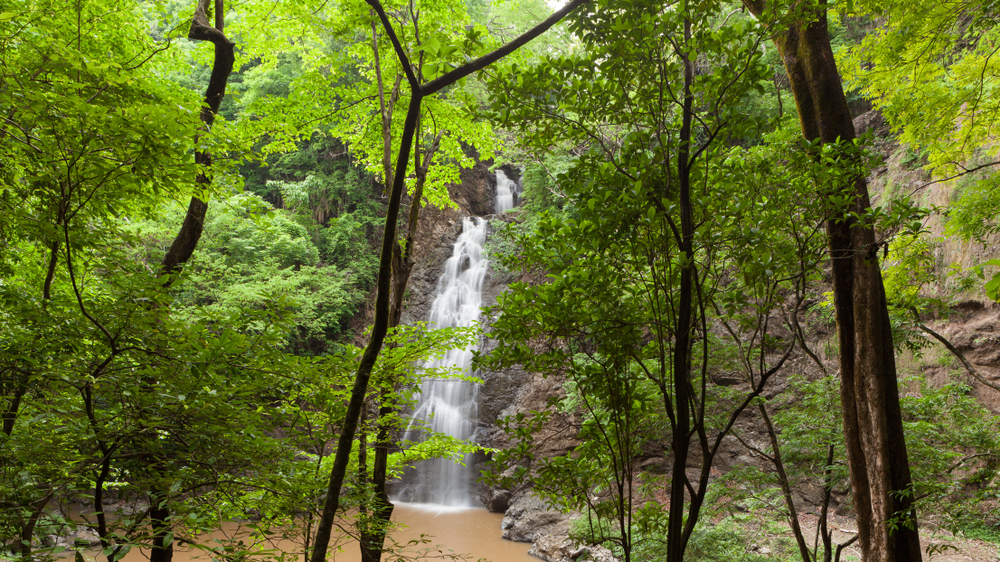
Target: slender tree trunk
<point x="873" y="429"/>
<point x="823" y="529"/>
<point x="374" y="529"/>
<point x="28" y="529"/>
<point x="51" y="273"/>
<point x="786" y="486"/>
<point x="187" y="238"/>
<point x="402" y="266"/>
<point x="360" y="388"/>
<point x="15" y="387"/>
<point x="681" y="440"/>
<point x="373" y="537"/>
<point x="159" y="518"/>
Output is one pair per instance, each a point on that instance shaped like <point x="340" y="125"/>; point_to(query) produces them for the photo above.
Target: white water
<point x="506" y="189"/>
<point x="450" y="406"/>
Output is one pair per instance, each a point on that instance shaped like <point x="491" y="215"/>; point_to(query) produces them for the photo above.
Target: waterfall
<point x="448" y="405"/>
<point x="506" y="190"/>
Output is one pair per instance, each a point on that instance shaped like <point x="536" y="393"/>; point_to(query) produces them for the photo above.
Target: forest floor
<point x="938" y="545"/>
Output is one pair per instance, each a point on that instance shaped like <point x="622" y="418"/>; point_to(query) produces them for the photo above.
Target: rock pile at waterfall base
<point x="529" y="520"/>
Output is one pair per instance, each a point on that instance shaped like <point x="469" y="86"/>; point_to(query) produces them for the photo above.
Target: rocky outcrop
<point x="73" y="538"/>
<point x="973" y="328"/>
<point x="558" y="548"/>
<point x="902" y="173"/>
<point x="972" y="324"/>
<point x="529" y="519"/>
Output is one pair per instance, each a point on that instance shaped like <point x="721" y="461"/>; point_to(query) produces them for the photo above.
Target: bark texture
<point x="194" y="221"/>
<point x="873" y="427"/>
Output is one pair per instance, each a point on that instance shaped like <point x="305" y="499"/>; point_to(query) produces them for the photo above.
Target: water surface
<point x="471" y="533"/>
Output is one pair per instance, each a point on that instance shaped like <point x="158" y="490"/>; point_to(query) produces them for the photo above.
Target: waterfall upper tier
<point x="507" y="191"/>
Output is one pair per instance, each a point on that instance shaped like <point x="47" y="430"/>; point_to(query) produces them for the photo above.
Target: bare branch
<point x="969" y="367"/>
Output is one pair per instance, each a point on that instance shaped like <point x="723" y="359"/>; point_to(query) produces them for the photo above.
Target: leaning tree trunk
<point x="186" y="241"/>
<point x="873" y="427"/>
<point x="187" y="238"/>
<point x="402" y="265"/>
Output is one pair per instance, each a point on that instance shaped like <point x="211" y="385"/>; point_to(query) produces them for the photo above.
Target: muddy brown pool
<point x="473" y="533"/>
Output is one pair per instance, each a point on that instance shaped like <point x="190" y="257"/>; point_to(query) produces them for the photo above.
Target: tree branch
<point x="490" y="58"/>
<point x="954" y="350"/>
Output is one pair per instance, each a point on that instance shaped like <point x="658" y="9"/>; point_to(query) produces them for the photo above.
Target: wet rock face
<point x="435" y="237"/>
<point x="475" y="193"/>
<point x="436" y="232"/>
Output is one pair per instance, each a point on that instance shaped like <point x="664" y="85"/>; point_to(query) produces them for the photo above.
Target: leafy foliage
<point x="930" y="69"/>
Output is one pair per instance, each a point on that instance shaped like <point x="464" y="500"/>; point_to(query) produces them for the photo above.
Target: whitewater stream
<point x="450" y="405"/>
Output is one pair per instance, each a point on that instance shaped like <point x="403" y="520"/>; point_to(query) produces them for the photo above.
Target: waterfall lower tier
<point x="450" y="406"/>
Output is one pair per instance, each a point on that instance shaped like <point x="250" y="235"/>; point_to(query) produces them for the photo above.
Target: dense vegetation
<point x="204" y="204"/>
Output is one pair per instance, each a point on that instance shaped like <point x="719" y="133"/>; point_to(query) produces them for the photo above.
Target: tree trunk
<point x="189" y="234"/>
<point x="402" y="266"/>
<point x="374" y="533"/>
<point x="682" y="390"/>
<point x="873" y="428"/>
<point x="187" y="238"/>
<point x="159" y="517"/>
<point x="786" y="485"/>
<point x="28" y="529"/>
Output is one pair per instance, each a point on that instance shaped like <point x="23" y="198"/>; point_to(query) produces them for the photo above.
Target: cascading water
<point x="506" y="190"/>
<point x="450" y="406"/>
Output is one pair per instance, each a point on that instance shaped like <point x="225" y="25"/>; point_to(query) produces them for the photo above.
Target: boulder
<point x="528" y="517"/>
<point x="560" y="549"/>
